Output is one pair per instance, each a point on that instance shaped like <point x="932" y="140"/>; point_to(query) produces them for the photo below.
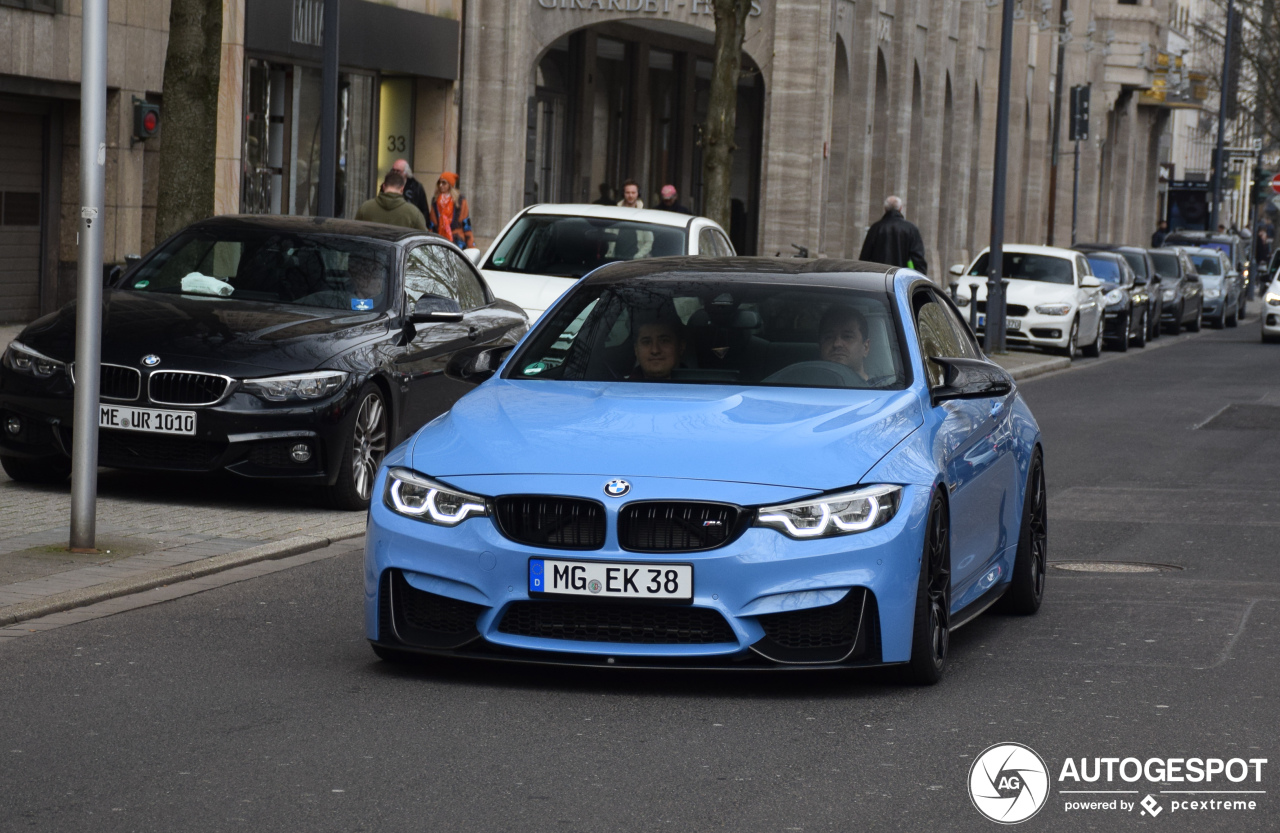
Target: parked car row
<point x="1074" y="301"/>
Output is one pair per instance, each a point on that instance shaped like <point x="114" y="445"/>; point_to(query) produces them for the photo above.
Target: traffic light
<point x="1261" y="185"/>
<point x="146" y="119"/>
<point x="1079" y="113"/>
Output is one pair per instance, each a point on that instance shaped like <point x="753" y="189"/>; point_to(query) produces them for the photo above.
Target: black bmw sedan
<point x="271" y="347"/>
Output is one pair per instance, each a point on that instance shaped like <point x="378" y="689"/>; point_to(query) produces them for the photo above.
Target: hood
<point x="813" y="439"/>
<point x="532" y="293"/>
<point x="388" y="201"/>
<point x="1211" y="281"/>
<point x="1030" y="293"/>
<point x="218" y="335"/>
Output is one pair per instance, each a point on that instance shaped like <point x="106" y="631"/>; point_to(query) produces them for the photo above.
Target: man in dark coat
<point x="894" y="240"/>
<point x="414" y="193"/>
<point x="1161" y="232"/>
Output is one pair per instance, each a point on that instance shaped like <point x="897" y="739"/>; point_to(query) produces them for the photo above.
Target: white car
<point x="545" y="249"/>
<point x="1053" y="299"/>
<point x="1271" y="310"/>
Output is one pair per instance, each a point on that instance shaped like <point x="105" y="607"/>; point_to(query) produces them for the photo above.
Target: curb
<point x="168" y="575"/>
<point x="1040" y="368"/>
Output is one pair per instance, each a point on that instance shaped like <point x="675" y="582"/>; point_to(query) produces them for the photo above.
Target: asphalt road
<point x="259" y="706"/>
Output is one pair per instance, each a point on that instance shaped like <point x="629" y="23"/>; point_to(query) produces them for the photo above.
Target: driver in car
<point x="658" y="345"/>
<point x="844" y="338"/>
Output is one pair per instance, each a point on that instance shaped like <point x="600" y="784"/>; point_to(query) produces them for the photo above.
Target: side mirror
<point x="1193" y="277"/>
<point x="473" y="255"/>
<point x="1090" y="282"/>
<point x="433" y="308"/>
<point x="111" y="273"/>
<point x="970" y="379"/>
<point x="957" y="269"/>
<point x="475" y="368"/>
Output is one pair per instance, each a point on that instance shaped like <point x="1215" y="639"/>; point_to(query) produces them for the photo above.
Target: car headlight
<point x="1273" y="300"/>
<point x="1053" y="309"/>
<point x="1170" y="294"/>
<point x="296" y="386"/>
<point x="835" y="514"/>
<point x="1114" y="297"/>
<point x="962" y="301"/>
<point x="1212" y="293"/>
<point x="418" y="496"/>
<point x="22" y="359"/>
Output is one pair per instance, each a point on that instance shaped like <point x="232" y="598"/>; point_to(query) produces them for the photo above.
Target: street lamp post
<point x="329" y="110"/>
<point x="1218" y="163"/>
<point x="88" y="356"/>
<point x="995" y="325"/>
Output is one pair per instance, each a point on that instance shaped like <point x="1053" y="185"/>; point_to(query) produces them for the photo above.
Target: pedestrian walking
<point x="1161" y="232"/>
<point x="894" y="240"/>
<point x="449" y="213"/>
<point x="390" y="206"/>
<point x="631" y="195"/>
<point x="414" y="191"/>
<point x="606" y="195"/>
<point x="669" y="202"/>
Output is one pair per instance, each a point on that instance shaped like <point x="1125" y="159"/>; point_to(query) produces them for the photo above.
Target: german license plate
<point x="151" y="420"/>
<point x="1009" y="323"/>
<point x="611" y="580"/>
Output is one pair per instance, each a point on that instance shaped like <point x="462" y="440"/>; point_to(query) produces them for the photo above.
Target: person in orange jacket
<point x="448" y="214"/>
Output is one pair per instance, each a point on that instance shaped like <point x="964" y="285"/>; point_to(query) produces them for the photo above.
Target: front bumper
<point x="242" y="434"/>
<point x="1036" y="330"/>
<point x="470" y="585"/>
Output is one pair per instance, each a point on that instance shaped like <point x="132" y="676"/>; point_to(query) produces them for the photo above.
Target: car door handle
<point x="473" y="333"/>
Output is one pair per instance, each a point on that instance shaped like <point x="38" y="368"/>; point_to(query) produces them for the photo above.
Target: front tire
<point x="1026" y="587"/>
<point x="1194" y="326"/>
<point x="1234" y="319"/>
<point x="1073" y="340"/>
<point x="1144" y="332"/>
<point x="1095" y="349"/>
<point x="1122" y="340"/>
<point x="36" y="469"/>
<point x="364" y="448"/>
<point x="931" y="626"/>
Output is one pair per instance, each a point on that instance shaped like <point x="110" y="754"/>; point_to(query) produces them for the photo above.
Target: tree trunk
<point x="722" y="108"/>
<point x="188" y="140"/>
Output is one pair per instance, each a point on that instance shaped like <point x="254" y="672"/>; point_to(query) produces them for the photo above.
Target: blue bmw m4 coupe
<point x="735" y="463"/>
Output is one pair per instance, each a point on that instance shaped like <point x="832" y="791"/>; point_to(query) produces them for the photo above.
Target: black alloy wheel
<point x="1030" y="565"/>
<point x="1221" y="321"/>
<point x="1144" y="332"/>
<point x="931" y="628"/>
<point x="365" y="447"/>
<point x="1122" y="335"/>
<point x="1153" y="324"/>
<point x="1193" y="326"/>
<point x="1233" y="320"/>
<point x="1176" y="326"/>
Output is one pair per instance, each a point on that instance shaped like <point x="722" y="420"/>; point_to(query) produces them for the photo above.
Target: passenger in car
<point x="658" y="344"/>
<point x="844" y="338"/>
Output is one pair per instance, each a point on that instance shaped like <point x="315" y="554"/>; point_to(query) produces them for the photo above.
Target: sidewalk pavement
<point x="1025" y="365"/>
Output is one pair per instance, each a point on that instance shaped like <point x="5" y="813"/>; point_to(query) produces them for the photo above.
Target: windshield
<point x="1137" y="263"/>
<point x="570" y="247"/>
<point x="311" y="270"/>
<point x="1207" y="264"/>
<point x="1028" y="267"/>
<point x="717" y="333"/>
<point x="1225" y="248"/>
<point x="1166" y="264"/>
<point x="1105" y="269"/>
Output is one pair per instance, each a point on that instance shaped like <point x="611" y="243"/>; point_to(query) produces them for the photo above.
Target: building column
<point x="226" y="188"/>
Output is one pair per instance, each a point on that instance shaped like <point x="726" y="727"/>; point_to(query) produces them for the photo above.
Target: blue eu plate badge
<point x="361" y="303"/>
<point x="535" y="575"/>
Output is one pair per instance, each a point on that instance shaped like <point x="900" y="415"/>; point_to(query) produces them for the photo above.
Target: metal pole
<point x="329" y="110"/>
<point x="1058" y="85"/>
<point x="1075" y="194"/>
<point x="93" y="158"/>
<point x="1222" y="119"/>
<point x="995" y="332"/>
<point x="1257" y="209"/>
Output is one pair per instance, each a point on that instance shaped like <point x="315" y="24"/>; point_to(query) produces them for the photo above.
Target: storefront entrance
<point x="619" y="102"/>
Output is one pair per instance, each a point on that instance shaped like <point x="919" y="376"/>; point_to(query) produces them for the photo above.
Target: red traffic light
<point x="150" y="122"/>
<point x="146" y="119"/>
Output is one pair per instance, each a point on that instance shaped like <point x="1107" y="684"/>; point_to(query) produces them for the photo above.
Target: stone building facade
<point x="857" y="99"/>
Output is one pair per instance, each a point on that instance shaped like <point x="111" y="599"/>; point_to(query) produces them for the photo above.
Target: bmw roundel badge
<point x="617" y="488"/>
<point x="151" y="360"/>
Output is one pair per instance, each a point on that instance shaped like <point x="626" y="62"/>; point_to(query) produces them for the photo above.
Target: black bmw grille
<point x="119" y="382"/>
<point x="547" y="521"/>
<point x="631" y="624"/>
<point x="1010" y="309"/>
<point x="675" y="526"/>
<point x="172" y="387"/>
<point x="129" y="450"/>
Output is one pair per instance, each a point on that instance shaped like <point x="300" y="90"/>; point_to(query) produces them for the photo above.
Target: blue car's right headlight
<point x="839" y="513"/>
<point x="418" y="496"/>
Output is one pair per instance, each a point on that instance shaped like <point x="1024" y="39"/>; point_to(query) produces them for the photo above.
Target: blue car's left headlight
<point x="418" y="496"/>
<point x="839" y="513"/>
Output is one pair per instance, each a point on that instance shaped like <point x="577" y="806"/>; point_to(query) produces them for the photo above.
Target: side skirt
<point x="975" y="608"/>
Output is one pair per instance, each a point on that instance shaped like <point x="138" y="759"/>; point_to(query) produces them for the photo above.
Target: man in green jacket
<point x="390" y="206"/>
